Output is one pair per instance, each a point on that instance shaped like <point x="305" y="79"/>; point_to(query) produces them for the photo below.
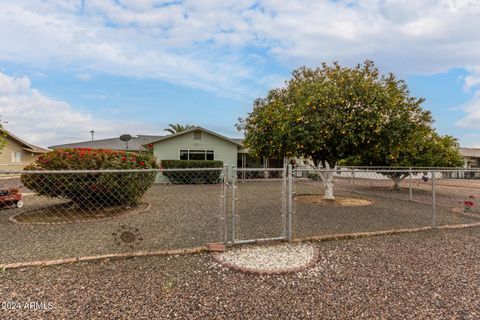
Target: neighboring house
<point x="137" y="143"/>
<point x="17" y="153"/>
<point x="471" y="157"/>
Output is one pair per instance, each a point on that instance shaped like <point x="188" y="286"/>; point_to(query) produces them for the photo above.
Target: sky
<point x="134" y="66"/>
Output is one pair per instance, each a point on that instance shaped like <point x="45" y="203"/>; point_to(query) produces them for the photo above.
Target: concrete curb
<point x="344" y="236"/>
<point x="44" y="263"/>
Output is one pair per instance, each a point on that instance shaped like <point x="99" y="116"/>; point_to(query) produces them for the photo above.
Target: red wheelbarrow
<point x="11" y="197"/>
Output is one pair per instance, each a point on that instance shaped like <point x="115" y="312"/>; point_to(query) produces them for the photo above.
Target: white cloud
<point x="201" y="43"/>
<point x="83" y="76"/>
<point x="470" y="81"/>
<point x="44" y="121"/>
<point x="471" y="120"/>
<point x="209" y="44"/>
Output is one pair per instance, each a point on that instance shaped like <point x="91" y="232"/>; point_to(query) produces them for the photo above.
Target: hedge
<point x="192" y="177"/>
<point x="92" y="189"/>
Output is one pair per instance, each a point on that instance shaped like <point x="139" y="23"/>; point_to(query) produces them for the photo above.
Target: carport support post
<point x="434" y="202"/>
<point x="224" y="205"/>
<point x="234" y="199"/>
<point x="290" y="202"/>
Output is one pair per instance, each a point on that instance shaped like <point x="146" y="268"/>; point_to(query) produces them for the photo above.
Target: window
<point x="197" y="135"/>
<point x="197" y="155"/>
<point x="16" y="157"/>
<point x="210" y="155"/>
<point x="183" y="154"/>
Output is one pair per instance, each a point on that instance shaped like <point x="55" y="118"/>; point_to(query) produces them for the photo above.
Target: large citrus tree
<point x="333" y="112"/>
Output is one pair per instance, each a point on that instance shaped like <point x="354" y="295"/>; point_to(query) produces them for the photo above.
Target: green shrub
<point x="313" y="176"/>
<point x="92" y="189"/>
<point x="192" y="177"/>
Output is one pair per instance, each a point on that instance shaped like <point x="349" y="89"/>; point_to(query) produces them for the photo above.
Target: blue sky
<point x="125" y="66"/>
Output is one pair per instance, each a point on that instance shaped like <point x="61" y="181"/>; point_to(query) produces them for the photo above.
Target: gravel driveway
<point x="428" y="275"/>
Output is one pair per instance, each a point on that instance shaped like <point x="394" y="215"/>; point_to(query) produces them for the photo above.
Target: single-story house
<point x="196" y="143"/>
<point x="201" y="144"/>
<point x="17" y="153"/>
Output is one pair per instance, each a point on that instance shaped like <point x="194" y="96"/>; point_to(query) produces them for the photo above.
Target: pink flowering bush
<point x="92" y="189"/>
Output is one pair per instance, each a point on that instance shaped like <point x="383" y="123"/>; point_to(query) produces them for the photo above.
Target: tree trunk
<point x="327" y="179"/>
<point x="328" y="185"/>
<point x="396" y="181"/>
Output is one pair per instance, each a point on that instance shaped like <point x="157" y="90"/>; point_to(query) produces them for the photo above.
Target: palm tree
<point x="176" y="128"/>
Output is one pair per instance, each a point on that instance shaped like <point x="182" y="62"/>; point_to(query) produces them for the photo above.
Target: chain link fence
<point x="379" y="199"/>
<point x="258" y="207"/>
<point x="62" y="214"/>
<point x="365" y="200"/>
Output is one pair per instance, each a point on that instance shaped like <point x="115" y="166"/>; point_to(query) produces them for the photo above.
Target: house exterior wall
<point x="6" y="156"/>
<point x="471" y="162"/>
<point x="169" y="149"/>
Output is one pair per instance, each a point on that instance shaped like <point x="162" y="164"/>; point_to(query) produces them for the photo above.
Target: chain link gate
<point x="260" y="205"/>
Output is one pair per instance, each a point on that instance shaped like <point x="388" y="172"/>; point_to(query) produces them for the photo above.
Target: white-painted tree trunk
<point x="396" y="182"/>
<point x="328" y="184"/>
<point x="327" y="179"/>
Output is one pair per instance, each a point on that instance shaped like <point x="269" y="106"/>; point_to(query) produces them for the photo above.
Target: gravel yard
<point x="185" y="216"/>
<point x="179" y="217"/>
<point x="449" y="192"/>
<point x="259" y="210"/>
<point x="428" y="275"/>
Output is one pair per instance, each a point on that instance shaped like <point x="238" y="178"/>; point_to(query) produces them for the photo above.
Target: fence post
<point x="353" y="176"/>
<point x="410" y="186"/>
<point x="224" y="204"/>
<point x="234" y="199"/>
<point x="434" y="201"/>
<point x="290" y="202"/>
<point x="284" y="200"/>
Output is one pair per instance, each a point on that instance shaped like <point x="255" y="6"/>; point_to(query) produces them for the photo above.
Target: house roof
<point x="136" y="144"/>
<point x="238" y="142"/>
<point x="470" y="152"/>
<point x="25" y="145"/>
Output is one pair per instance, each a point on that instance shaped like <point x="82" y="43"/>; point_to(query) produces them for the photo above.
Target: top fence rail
<point x="386" y="169"/>
<point x="408" y="168"/>
<point x="109" y="170"/>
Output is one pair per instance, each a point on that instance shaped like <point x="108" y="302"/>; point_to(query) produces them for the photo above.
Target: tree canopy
<point x="332" y="112"/>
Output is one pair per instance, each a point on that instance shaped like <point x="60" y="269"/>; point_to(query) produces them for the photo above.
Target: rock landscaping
<point x="269" y="259"/>
<point x="427" y="275"/>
